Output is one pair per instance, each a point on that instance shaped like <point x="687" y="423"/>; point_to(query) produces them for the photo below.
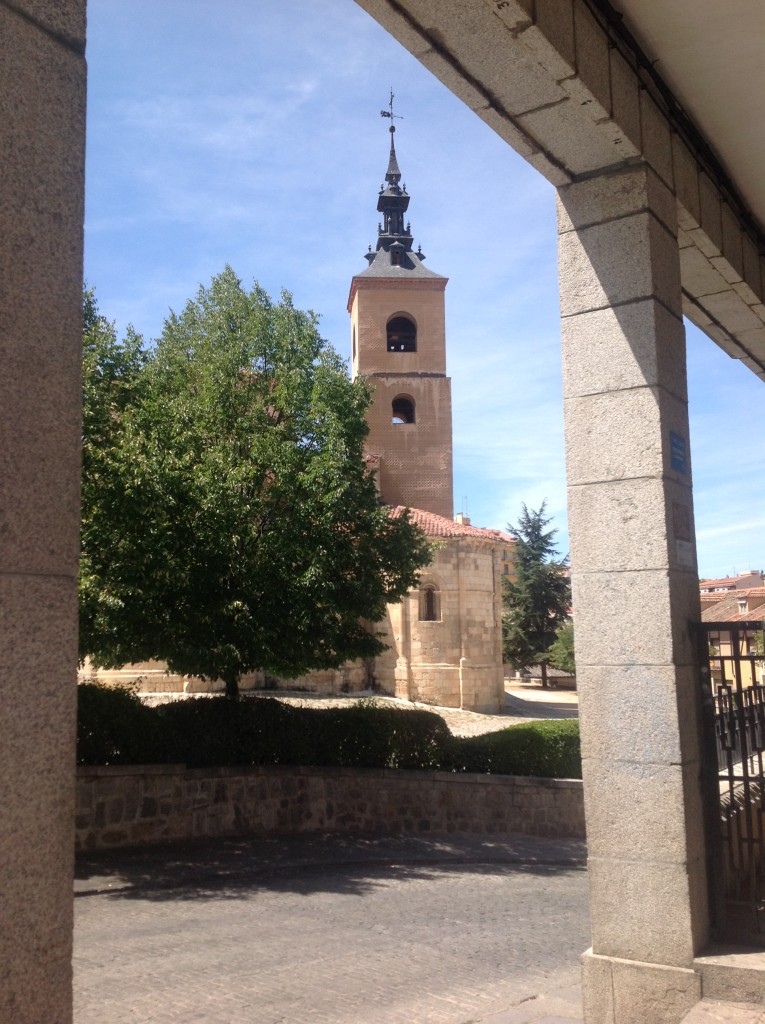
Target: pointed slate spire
<point x="393" y="174"/>
<point x="393" y="254"/>
<point x="392" y="203"/>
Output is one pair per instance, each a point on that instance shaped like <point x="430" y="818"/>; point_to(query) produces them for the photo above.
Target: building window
<point x="430" y="604"/>
<point x="402" y="410"/>
<point x="402" y="334"/>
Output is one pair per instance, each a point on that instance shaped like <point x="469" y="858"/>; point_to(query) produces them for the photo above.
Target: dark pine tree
<point x="538" y="600"/>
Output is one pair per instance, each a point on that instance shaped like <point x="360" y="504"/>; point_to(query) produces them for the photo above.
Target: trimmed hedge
<point x="548" y="749"/>
<point x="114" y="727"/>
<point x="216" y="731"/>
<point x="370" y="735"/>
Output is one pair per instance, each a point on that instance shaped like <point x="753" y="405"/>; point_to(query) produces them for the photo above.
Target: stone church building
<point x="444" y="639"/>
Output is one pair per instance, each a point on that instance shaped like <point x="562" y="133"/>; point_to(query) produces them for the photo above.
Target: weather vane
<point x="389" y="113"/>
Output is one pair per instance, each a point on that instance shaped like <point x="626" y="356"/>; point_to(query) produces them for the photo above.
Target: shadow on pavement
<point x="227" y="868"/>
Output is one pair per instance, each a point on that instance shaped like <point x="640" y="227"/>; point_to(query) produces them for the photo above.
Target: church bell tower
<point x="398" y="344"/>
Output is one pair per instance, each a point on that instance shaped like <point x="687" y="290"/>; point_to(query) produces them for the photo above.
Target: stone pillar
<point x="635" y="593"/>
<point x="42" y="108"/>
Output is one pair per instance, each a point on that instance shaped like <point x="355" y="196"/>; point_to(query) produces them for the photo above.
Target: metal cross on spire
<point x="393" y="175"/>
<point x="389" y="113"/>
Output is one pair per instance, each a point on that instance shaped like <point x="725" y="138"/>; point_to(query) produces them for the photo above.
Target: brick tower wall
<point x="415" y="458"/>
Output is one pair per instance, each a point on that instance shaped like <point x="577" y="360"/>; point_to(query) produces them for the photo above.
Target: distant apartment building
<point x="733" y="605"/>
<point x="752" y="578"/>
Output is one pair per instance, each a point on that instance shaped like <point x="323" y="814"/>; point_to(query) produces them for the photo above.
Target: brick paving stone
<point x="331" y="931"/>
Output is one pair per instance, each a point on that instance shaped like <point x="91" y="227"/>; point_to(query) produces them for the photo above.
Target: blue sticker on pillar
<point x="678" y="457"/>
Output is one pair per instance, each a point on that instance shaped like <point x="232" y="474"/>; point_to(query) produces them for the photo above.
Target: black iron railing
<point x="733" y="692"/>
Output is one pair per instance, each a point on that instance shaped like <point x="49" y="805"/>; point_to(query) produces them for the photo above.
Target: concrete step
<point x="733" y="973"/>
<point x="713" y="1011"/>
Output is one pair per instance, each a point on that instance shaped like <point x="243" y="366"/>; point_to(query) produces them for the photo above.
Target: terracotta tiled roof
<point x="721" y="611"/>
<point x="433" y="525"/>
<point x="729" y="582"/>
<point x="753" y="615"/>
<point x="727" y="608"/>
<point x="506" y="538"/>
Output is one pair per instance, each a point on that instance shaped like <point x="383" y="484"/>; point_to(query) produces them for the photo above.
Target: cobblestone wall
<point x="127" y="806"/>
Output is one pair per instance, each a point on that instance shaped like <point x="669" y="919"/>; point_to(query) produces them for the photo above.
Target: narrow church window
<point x="402" y="334"/>
<point x="403" y="410"/>
<point x="430" y="604"/>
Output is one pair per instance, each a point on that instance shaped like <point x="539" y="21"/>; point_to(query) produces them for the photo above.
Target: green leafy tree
<point x="537" y="601"/>
<point x="228" y="521"/>
<point x="561" y="652"/>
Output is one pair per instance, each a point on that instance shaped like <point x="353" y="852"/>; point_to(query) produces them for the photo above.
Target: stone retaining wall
<point x="134" y="805"/>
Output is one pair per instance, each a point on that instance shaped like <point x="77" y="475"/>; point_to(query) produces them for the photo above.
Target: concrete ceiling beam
<point x="553" y="80"/>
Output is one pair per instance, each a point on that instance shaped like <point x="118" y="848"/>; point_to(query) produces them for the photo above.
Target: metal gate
<point x="733" y="695"/>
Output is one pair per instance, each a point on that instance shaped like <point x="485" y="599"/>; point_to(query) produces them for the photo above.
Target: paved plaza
<point x="332" y="930"/>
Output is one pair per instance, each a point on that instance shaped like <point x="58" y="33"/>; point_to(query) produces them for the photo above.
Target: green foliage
<point x="548" y="749"/>
<point x="561" y="654"/>
<point x="370" y="735"/>
<point x="114" y="727"/>
<point x="537" y="602"/>
<point x="214" y="731"/>
<point x="228" y="521"/>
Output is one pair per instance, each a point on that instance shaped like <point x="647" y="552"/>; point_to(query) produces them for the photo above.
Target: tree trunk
<point x="543" y="666"/>
<point x="232" y="686"/>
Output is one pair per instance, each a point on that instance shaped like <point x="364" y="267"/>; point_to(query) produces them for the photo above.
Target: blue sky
<point x="250" y="134"/>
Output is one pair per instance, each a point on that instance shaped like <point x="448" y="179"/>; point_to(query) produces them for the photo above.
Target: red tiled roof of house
<point x="727" y="609"/>
<point x="721" y="611"/>
<point x="433" y="525"/>
<point x="753" y="615"/>
<point x="506" y="538"/>
<point x="726" y="581"/>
